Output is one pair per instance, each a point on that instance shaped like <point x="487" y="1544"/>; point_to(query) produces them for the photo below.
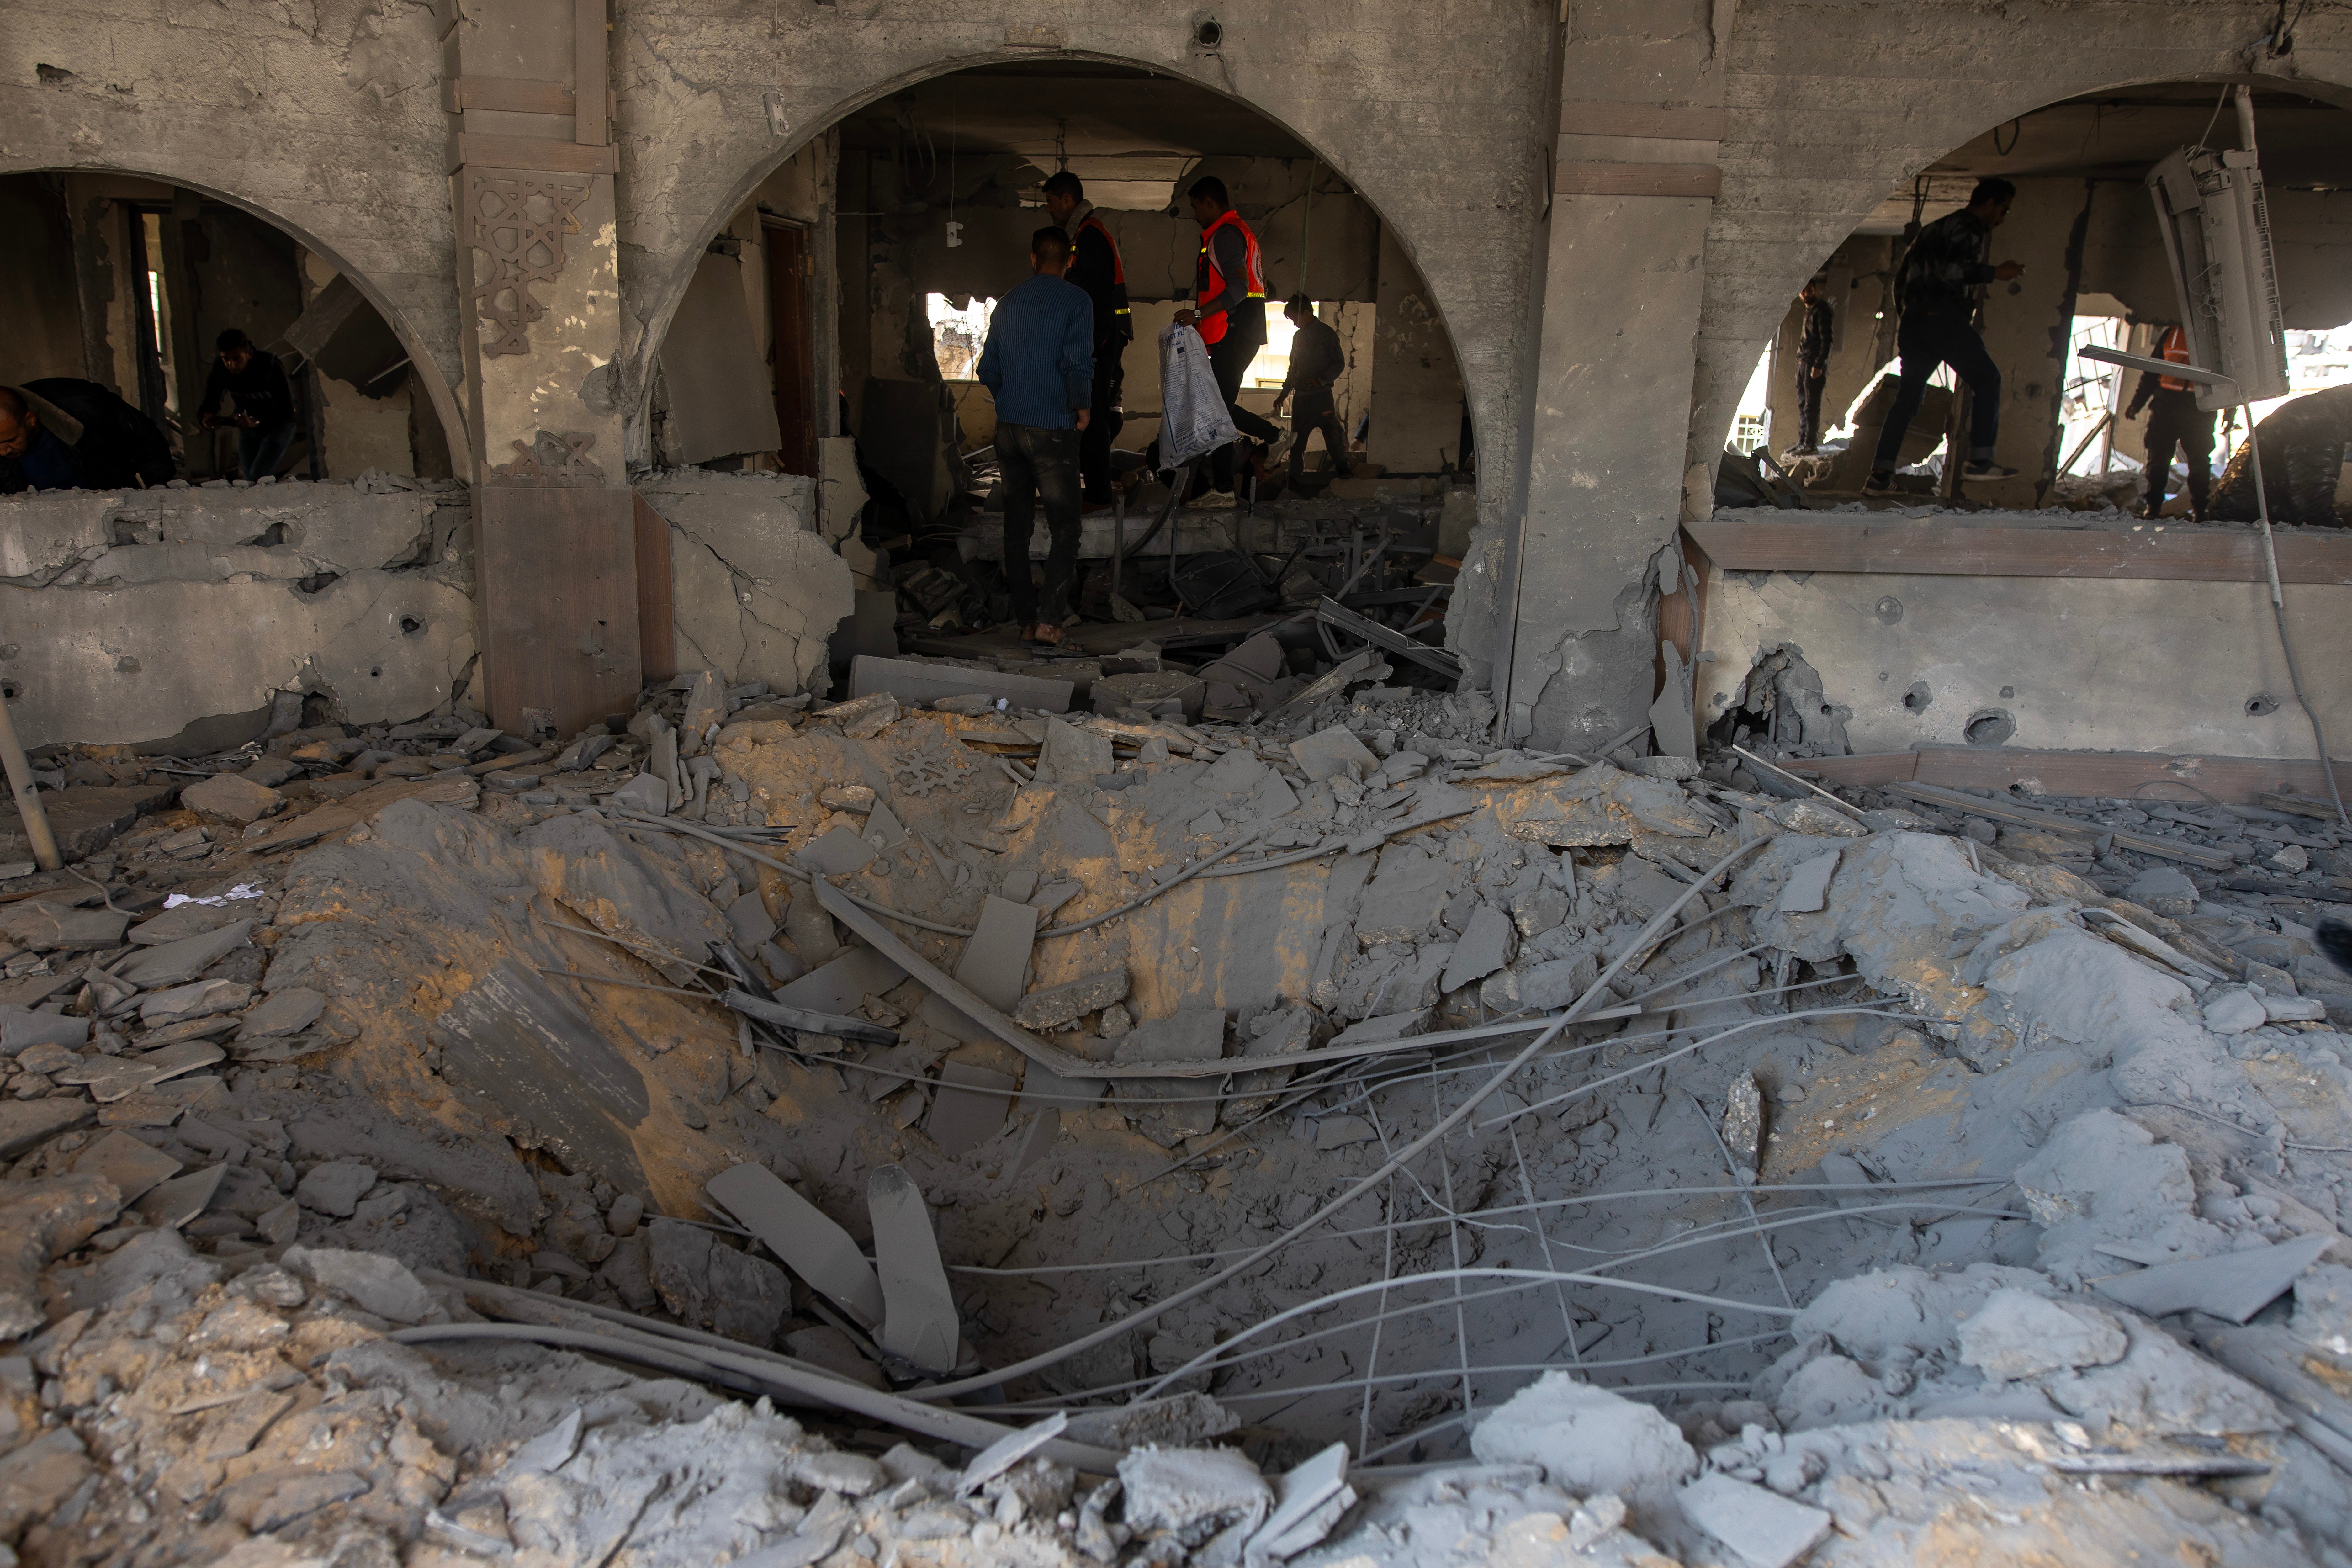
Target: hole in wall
<point x="1917" y="698"/>
<point x="1889" y="609"/>
<point x="410" y="625"/>
<point x="10" y="690"/>
<point x="1208" y="33"/>
<point x="2260" y="704"/>
<point x="127" y="665"/>
<point x="318" y="582"/>
<point x="1989" y="726"/>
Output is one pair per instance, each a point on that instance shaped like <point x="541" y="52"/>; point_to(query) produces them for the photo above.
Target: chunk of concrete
<point x="645" y="793"/>
<point x="749" y="1297"/>
<point x="226" y="797"/>
<point x="1763" y="1529"/>
<point x="197" y="999"/>
<point x="1807" y="890"/>
<point x="1072" y="755"/>
<point x="796" y="1231"/>
<point x="41" y="1221"/>
<point x="27" y="1124"/>
<point x="369" y="1280"/>
<point x="1404" y="898"/>
<point x="1057" y="1006"/>
<point x="335" y="1187"/>
<point x="1587" y="1439"/>
<point x="1485" y="947"/>
<point x="1193" y="1492"/>
<point x="1743" y="1125"/>
<point x="170" y="962"/>
<point x="2235" y="1010"/>
<point x="191" y="919"/>
<point x="749" y="919"/>
<point x="22" y="1028"/>
<point x="969" y="1107"/>
<point x="2018" y="1335"/>
<point x="841" y="986"/>
<point x="287" y="1011"/>
<point x="60" y="928"/>
<point x="135" y="1168"/>
<point x="1332" y="751"/>
<point x="2165" y="889"/>
<point x="2233" y="1286"/>
<point x="836" y="852"/>
<point x="705" y="705"/>
<point x="183" y="1198"/>
<point x="918" y="1313"/>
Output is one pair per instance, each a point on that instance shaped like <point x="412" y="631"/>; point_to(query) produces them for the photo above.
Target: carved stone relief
<point x="518" y="223"/>
<point x="553" y="458"/>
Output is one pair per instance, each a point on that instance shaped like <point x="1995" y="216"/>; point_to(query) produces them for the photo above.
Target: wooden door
<point x="794" y="346"/>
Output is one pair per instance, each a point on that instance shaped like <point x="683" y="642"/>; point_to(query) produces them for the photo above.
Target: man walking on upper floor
<point x="2175" y="420"/>
<point x="1039" y="365"/>
<point x="1230" y="312"/>
<point x="1316" y="363"/>
<point x="1095" y="266"/>
<point x="1932" y="289"/>
<point x="1812" y="368"/>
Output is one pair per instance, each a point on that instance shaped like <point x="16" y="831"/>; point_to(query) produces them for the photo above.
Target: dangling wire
<point x="2219" y="104"/>
<point x="2017" y="129"/>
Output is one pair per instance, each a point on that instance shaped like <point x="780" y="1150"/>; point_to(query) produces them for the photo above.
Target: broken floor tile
<point x="969" y="1107"/>
<point x="1071" y="754"/>
<point x="811" y="1244"/>
<point x="919" y="1315"/>
<point x="1485" y="947"/>
<point x="836" y="852"/>
<point x="1806" y="890"/>
<point x="2233" y="1286"/>
<point x="135" y="1168"/>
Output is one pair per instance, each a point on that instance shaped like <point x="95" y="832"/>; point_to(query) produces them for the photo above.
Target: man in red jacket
<point x="1230" y="288"/>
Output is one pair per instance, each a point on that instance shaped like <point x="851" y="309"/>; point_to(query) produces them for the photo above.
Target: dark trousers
<point x="1229" y="361"/>
<point x="2179" y="422"/>
<point x="1926" y="340"/>
<point x="260" y="450"/>
<point x="1039" y="465"/>
<point x="1103" y="424"/>
<point x="1809" y="404"/>
<point x="1312" y="410"/>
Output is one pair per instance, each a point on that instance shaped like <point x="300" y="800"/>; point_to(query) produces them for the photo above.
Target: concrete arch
<point x="1466" y="167"/>
<point x="1777" y="217"/>
<point x="445" y="406"/>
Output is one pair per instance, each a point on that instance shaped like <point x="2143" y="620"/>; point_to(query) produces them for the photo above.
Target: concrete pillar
<point x="1416" y="382"/>
<point x="531" y="181"/>
<point x="1637" y="176"/>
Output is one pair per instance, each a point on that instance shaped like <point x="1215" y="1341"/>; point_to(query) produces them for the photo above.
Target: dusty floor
<point x="1860" y="1220"/>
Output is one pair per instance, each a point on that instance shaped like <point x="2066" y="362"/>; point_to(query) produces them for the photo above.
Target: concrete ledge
<point x="2242" y="781"/>
<point x="2015" y="544"/>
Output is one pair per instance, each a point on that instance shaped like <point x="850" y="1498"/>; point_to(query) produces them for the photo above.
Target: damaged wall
<point x="131" y="616"/>
<point x="755" y="590"/>
<point x="2065" y="662"/>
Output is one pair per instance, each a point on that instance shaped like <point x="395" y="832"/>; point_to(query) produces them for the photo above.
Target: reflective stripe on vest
<point x="2174" y="346"/>
<point x="1209" y="283"/>
<point x="1118" y="264"/>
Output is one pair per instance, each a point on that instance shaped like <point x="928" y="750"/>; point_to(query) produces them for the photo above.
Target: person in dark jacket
<point x="1038" y="364"/>
<point x="264" y="410"/>
<point x="1229" y="309"/>
<point x="2175" y="421"/>
<point x="2303" y="447"/>
<point x="1932" y="289"/>
<point x="61" y="433"/>
<point x="1095" y="266"/>
<point x="1812" y="368"/>
<point x="1316" y="363"/>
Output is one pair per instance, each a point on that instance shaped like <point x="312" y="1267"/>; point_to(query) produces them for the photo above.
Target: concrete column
<point x="531" y="181"/>
<point x="2026" y="324"/>
<point x="1416" y="382"/>
<point x="1641" y="118"/>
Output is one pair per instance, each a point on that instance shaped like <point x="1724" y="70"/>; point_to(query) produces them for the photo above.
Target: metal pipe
<point x="28" y="804"/>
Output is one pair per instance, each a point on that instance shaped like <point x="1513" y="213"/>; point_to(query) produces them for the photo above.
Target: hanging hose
<point x="2286" y="643"/>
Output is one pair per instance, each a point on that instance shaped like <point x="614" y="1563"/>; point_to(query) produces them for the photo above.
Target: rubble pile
<point x="1122" y="1136"/>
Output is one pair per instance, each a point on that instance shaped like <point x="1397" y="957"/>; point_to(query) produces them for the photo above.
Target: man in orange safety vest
<point x="1230" y="291"/>
<point x="2175" y="420"/>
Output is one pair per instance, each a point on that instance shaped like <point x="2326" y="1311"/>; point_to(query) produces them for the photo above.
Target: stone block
<point x="1328" y="752"/>
<point x="1072" y="755"/>
<point x="46" y="927"/>
<point x="335" y="1187"/>
<point x="1404" y="898"/>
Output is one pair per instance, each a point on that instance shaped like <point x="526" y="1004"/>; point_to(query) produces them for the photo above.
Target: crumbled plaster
<point x="754" y="591"/>
<point x="132" y="615"/>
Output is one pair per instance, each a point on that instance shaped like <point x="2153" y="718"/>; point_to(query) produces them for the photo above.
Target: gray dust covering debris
<point x="933" y="1131"/>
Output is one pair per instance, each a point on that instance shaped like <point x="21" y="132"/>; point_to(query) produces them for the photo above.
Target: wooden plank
<point x="1703" y="181"/>
<point x="536" y="153"/>
<point x="1924" y="548"/>
<point x="657" y="628"/>
<point x="1645" y="120"/>
<point x="506" y="95"/>
<point x="557" y="605"/>
<point x="590" y="44"/>
<point x="2110" y="775"/>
